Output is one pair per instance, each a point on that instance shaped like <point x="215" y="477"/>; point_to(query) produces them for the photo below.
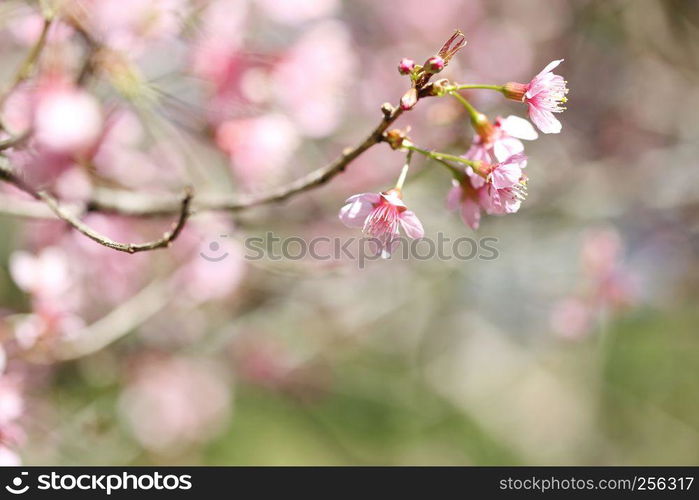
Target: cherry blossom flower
<point x="507" y="173"/>
<point x="498" y="141"/>
<point x="545" y="95"/>
<point x="380" y="215"/>
<point x="495" y="188"/>
<point x="502" y="201"/>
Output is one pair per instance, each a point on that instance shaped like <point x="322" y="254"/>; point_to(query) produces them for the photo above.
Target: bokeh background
<point x="579" y="344"/>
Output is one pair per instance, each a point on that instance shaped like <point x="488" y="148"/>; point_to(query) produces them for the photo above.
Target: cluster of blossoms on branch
<point x="489" y="177"/>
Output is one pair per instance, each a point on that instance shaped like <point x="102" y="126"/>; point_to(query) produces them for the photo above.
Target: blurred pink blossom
<point x="67" y="120"/>
<point x="262" y="360"/>
<point x="9" y="458"/>
<point x="571" y="318"/>
<point x="125" y="273"/>
<point x="295" y="12"/>
<point x="214" y="272"/>
<point x="608" y="285"/>
<point x="130" y="25"/>
<point x="258" y="147"/>
<point x="47" y="325"/>
<point x="601" y="251"/>
<point x="28" y="27"/>
<point x="66" y="123"/>
<point x="11" y="410"/>
<point x="11" y="401"/>
<point x="48" y="278"/>
<point x="171" y="403"/>
<point x="313" y="76"/>
<point x="217" y="58"/>
<point x="45" y="275"/>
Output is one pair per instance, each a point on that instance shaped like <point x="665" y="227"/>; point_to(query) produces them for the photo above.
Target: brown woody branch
<point x="147" y="207"/>
<point x="7" y="174"/>
<point x="135" y="205"/>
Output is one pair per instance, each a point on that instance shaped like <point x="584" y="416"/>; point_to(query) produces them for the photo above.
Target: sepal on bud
<point x="397" y="138"/>
<point x="482" y="126"/>
<point x="440" y="88"/>
<point x="515" y="91"/>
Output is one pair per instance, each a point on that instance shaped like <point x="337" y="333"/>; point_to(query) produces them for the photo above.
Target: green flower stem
<point x="475" y="114"/>
<point x="468" y="86"/>
<point x="442" y="157"/>
<point x="404" y="172"/>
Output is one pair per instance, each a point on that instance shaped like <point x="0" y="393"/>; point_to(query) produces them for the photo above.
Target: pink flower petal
<point x="357" y="209"/>
<point x="476" y="180"/>
<point x="550" y="66"/>
<point x="545" y="120"/>
<point x="506" y="175"/>
<point x="454" y="196"/>
<point x="411" y="224"/>
<point x="471" y="213"/>
<point x="505" y="148"/>
<point x="519" y="128"/>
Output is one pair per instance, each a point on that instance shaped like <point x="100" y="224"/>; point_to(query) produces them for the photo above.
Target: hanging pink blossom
<point x="380" y="216"/>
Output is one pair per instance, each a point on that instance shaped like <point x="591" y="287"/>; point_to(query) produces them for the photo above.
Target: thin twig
<point x="27" y="67"/>
<point x="14" y="140"/>
<point x="8" y="175"/>
<point x="118" y="323"/>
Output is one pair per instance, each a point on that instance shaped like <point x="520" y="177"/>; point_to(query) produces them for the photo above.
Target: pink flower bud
<point x="409" y="99"/>
<point x="405" y="66"/>
<point x="434" y="64"/>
